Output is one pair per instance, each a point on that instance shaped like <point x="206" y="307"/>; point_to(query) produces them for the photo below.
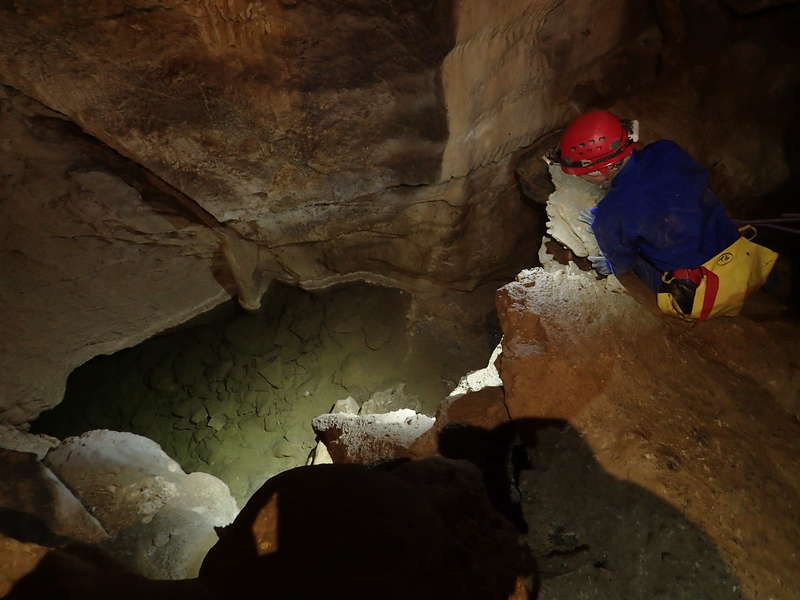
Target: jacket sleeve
<point x="615" y="242"/>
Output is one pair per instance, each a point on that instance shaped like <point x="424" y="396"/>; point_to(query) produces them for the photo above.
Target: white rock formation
<point x="564" y="206"/>
<point x="399" y="427"/>
<point x="482" y="378"/>
<point x="161" y="519"/>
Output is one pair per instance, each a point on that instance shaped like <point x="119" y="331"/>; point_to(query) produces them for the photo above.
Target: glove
<point x="587" y="216"/>
<point x="601" y="264"/>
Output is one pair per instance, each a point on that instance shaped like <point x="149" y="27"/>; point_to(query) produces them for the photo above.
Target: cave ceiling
<point x="161" y="156"/>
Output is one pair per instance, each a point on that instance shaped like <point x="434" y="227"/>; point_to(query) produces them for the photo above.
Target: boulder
<point x="161" y="520"/>
<point x="370" y="438"/>
<point x="701" y="416"/>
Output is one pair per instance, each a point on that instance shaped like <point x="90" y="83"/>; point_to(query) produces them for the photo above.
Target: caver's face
<point x="603" y="179"/>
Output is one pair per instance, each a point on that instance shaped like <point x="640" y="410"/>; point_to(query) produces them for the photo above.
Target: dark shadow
<point x="27" y="528"/>
<point x="410" y="529"/>
<point x="427" y="529"/>
<point x="415" y="530"/>
<point x="591" y="534"/>
<point x="497" y="455"/>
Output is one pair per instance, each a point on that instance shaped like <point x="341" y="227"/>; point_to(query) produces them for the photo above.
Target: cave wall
<point x="340" y="140"/>
<point x="89" y="263"/>
<point x="333" y="141"/>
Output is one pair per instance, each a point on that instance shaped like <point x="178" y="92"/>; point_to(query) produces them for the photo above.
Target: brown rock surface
<point x="309" y="129"/>
<point x="483" y="409"/>
<point x="93" y="258"/>
<point x="30" y="492"/>
<point x="32" y="572"/>
<point x="702" y="417"/>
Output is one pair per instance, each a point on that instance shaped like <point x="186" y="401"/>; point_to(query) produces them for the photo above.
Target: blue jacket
<point x="659" y="215"/>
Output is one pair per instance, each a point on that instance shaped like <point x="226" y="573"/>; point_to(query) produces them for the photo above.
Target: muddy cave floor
<point x="233" y="394"/>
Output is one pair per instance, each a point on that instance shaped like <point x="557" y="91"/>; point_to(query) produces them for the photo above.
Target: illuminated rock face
<point x="699" y="416"/>
<point x="161" y="520"/>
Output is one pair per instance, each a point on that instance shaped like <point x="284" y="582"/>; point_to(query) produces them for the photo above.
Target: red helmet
<point x="594" y="141"/>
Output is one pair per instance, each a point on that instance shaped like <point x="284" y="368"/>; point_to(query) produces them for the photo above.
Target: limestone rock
<point x="433" y="514"/>
<point x="81" y="218"/>
<point x="480" y="379"/>
<point x="483" y="409"/>
<point x="320" y="455"/>
<point x="319" y="142"/>
<point x="699" y="416"/>
<point x="564" y="208"/>
<point x="363" y="198"/>
<point x="30" y="493"/>
<point x="161" y="519"/>
<point x="370" y="438"/>
<point x="13" y="438"/>
<point x="388" y="161"/>
<point x="346" y="405"/>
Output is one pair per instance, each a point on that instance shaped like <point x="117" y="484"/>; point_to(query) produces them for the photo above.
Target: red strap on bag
<point x="693" y="275"/>
<point x="712" y="287"/>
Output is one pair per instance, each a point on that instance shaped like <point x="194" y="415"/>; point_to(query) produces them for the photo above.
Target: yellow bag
<point x="728" y="278"/>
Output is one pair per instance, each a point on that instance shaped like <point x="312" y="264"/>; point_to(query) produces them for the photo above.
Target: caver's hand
<point x="601" y="265"/>
<point x="587" y="216"/>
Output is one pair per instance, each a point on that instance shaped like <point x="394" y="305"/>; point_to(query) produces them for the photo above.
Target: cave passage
<point x="233" y="394"/>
